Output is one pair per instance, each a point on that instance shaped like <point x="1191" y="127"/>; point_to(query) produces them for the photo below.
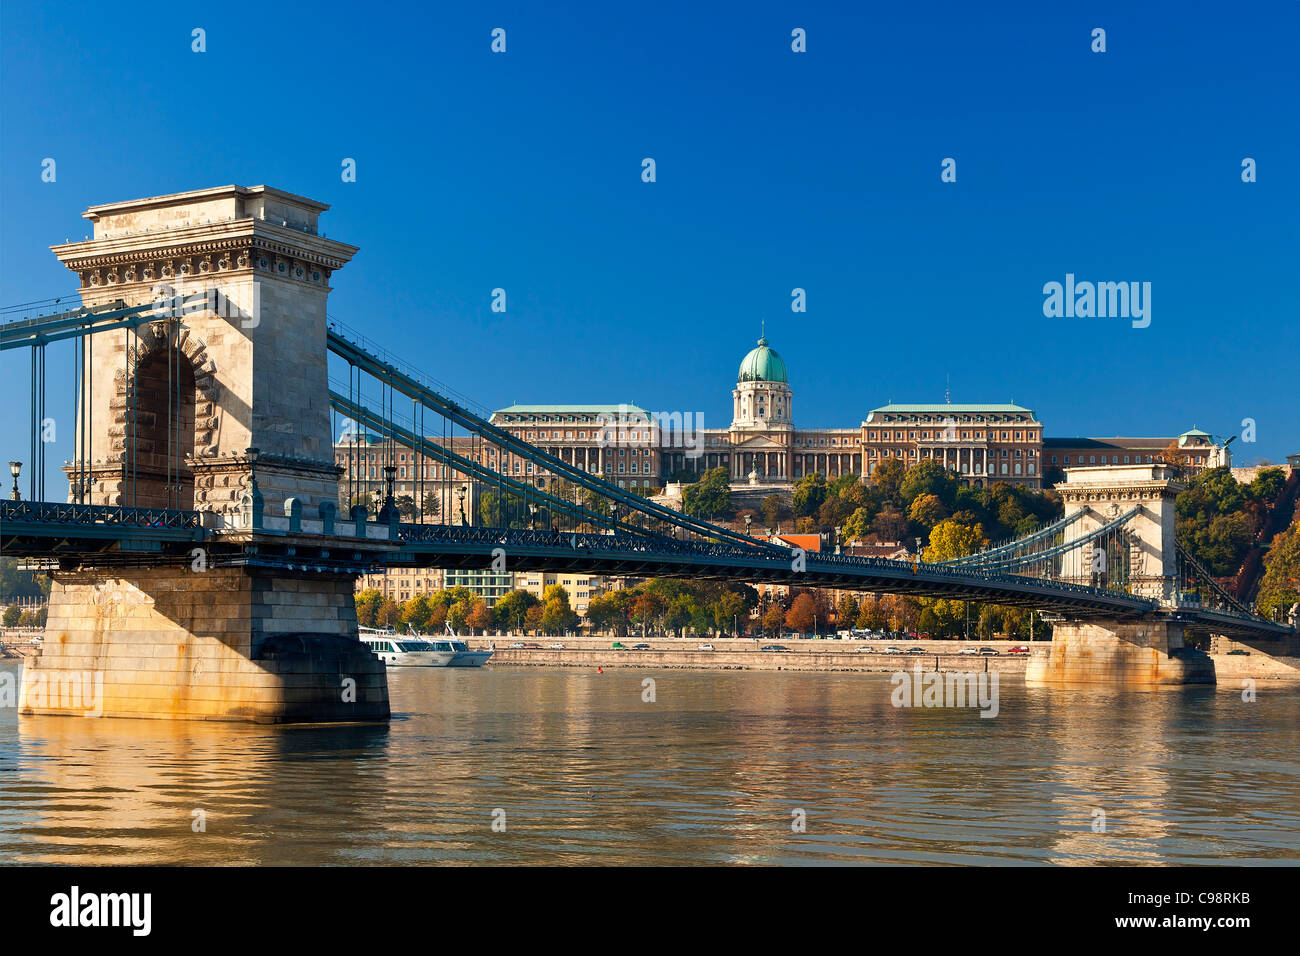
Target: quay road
<point x="746" y="654"/>
<point x="822" y="655"/>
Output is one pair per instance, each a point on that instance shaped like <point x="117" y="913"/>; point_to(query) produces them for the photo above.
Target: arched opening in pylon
<point x="160" y="431"/>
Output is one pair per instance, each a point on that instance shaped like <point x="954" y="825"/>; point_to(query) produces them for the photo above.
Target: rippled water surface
<point x="711" y="772"/>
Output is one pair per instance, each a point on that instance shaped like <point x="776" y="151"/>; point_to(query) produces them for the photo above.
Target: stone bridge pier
<point x="1140" y="651"/>
<point x="224" y="411"/>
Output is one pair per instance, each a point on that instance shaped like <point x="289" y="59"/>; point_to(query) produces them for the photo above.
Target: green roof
<point x="762" y="365"/>
<point x="947" y="410"/>
<point x="569" y="409"/>
<point x="940" y="409"/>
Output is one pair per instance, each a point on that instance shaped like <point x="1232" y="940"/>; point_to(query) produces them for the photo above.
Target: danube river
<point x="569" y="766"/>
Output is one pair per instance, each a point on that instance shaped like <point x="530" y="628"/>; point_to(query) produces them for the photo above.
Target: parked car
<point x="533" y="644"/>
<point x="778" y="648"/>
<point x="1022" y="649"/>
<point x="706" y="647"/>
<point x="990" y="651"/>
<point x="640" y="647"/>
<point x="518" y="644"/>
<point x="917" y="650"/>
<point x="1238" y="650"/>
<point x="968" y="650"/>
<point x="557" y="646"/>
<point x="866" y="650"/>
<point x="891" y="649"/>
<point x="618" y="646"/>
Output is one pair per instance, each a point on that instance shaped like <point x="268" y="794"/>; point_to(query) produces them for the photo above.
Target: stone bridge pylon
<point x="223" y="409"/>
<point x="1147" y="649"/>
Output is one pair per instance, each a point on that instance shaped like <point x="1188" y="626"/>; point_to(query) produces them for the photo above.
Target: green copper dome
<point x="762" y="365"/>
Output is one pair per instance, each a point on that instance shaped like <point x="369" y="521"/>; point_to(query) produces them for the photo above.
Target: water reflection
<point x="712" y="771"/>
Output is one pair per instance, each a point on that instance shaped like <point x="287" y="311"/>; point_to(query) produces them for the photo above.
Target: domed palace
<point x="764" y="452"/>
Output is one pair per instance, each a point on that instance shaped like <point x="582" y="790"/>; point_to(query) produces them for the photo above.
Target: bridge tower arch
<point x="1140" y="649"/>
<point x="219" y="405"/>
<point x="255" y="347"/>
<point x="1145" y="549"/>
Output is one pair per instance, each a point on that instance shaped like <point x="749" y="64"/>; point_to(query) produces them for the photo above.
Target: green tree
<point x="15" y="583"/>
<point x="710" y="497"/>
<point x="809" y="493"/>
<point x="1279" y="590"/>
<point x="928" y="477"/>
<point x="512" y="609"/>
<point x="846" y="612"/>
<point x="730" y="612"/>
<point x="775" y="508"/>
<point x="887" y="477"/>
<point x="858" y="524"/>
<point x="416" y="612"/>
<point x="12" y="615"/>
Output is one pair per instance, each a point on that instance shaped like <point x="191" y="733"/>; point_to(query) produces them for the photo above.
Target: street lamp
<point x="839" y="533"/>
<point x="390" y="504"/>
<point x="748" y="521"/>
<point x="532" y="515"/>
<point x="460" y="501"/>
<point x="14" y="468"/>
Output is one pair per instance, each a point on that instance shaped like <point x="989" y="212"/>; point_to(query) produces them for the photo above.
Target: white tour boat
<point x="419" y="650"/>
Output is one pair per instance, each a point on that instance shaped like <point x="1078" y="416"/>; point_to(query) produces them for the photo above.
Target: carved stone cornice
<point x="238" y="245"/>
<point x="1127" y="491"/>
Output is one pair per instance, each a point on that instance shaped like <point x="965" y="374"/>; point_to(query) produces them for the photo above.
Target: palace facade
<point x="762" y="448"/>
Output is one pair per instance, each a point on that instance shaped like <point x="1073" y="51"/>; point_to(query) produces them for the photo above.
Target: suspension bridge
<point x="199" y="557"/>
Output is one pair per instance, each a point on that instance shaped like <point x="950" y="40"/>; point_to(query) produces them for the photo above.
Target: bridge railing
<point x="666" y="546"/>
<point x="73" y="513"/>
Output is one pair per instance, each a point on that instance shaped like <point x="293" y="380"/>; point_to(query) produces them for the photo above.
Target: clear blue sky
<point x="775" y="170"/>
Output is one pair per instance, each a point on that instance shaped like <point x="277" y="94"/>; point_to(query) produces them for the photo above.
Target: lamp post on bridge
<point x="387" y="511"/>
<point x="15" y="467"/>
<point x="460" y="502"/>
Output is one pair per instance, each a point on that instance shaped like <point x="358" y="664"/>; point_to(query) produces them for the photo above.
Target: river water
<point x="569" y="766"/>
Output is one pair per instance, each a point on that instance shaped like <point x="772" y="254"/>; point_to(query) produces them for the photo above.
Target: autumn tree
<point x="951" y="539"/>
<point x="800" y="617"/>
<point x="927" y="510"/>
<point x="368" y="602"/>
<point x="480" y="616"/>
<point x="774" y="617"/>
<point x="887" y="477"/>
